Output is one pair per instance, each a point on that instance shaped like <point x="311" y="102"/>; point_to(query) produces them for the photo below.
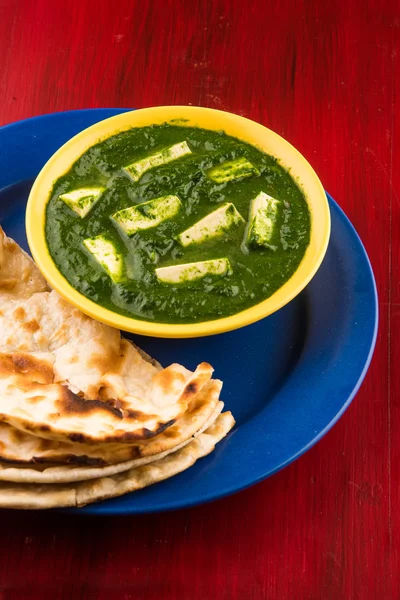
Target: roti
<point x="36" y="496"/>
<point x="19" y="276"/>
<point x="72" y="473"/>
<point x="85" y="414"/>
<point x="30" y="400"/>
<point x="19" y="447"/>
<point x="69" y="378"/>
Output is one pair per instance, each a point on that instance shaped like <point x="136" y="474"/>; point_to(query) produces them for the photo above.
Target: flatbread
<point x="73" y="391"/>
<point x="34" y="496"/>
<point x="19" y="447"/>
<point x="19" y="276"/>
<point x="72" y="473"/>
<point x="67" y="377"/>
<point x="30" y="400"/>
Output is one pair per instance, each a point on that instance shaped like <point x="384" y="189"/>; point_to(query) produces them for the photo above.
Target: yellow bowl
<point x="207" y="118"/>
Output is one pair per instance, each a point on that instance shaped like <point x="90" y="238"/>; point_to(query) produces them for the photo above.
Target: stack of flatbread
<point x="85" y="415"/>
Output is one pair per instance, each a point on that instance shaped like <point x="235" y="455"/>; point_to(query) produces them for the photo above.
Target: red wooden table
<point x="326" y="76"/>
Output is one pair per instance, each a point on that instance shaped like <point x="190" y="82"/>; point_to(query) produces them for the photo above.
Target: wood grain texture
<point x="325" y="76"/>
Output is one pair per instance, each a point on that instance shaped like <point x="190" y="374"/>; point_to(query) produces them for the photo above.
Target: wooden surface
<point x="326" y="76"/>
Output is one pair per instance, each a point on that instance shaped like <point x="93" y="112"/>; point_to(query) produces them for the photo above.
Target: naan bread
<point x="19" y="447"/>
<point x="67" y="377"/>
<point x="19" y="276"/>
<point x="71" y="473"/>
<point x="30" y="400"/>
<point x="34" y="496"/>
<point x="73" y="393"/>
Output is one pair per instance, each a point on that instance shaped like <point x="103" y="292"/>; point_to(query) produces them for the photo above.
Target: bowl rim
<point x="207" y="118"/>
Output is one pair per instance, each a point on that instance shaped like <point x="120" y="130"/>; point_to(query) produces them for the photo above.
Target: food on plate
<point x="19" y="276"/>
<point x="127" y="222"/>
<point x="126" y="400"/>
<point x="41" y="454"/>
<point x="76" y="494"/>
<point x="80" y="404"/>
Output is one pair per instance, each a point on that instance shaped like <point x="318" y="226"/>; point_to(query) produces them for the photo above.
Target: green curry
<point x="176" y="224"/>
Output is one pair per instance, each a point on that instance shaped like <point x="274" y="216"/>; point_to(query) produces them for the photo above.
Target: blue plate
<point x="287" y="378"/>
